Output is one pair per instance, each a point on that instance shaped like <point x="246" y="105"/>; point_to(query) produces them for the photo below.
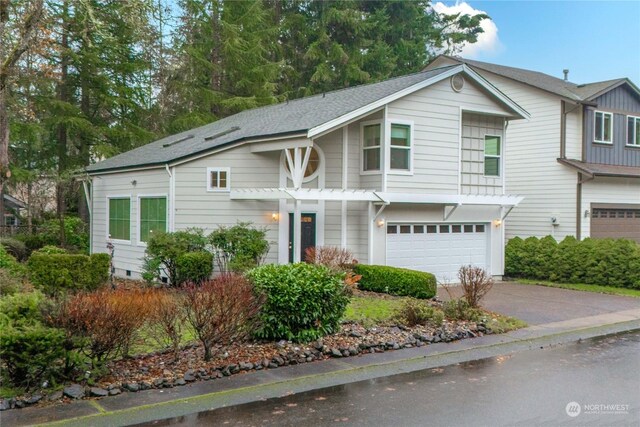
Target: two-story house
<point x="576" y="160"/>
<point x="407" y="172"/>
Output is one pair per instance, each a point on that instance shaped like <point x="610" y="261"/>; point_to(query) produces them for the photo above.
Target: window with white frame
<point x="603" y="127"/>
<point x="120" y="218"/>
<point x="400" y="147"/>
<point x="153" y="216"/>
<point x="633" y="131"/>
<point x="371" y="137"/>
<point x="218" y="179"/>
<point x="492" y="152"/>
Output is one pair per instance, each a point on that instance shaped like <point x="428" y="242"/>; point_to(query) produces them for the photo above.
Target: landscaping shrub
<point x="194" y="267"/>
<point x="107" y="319"/>
<point x="76" y="235"/>
<point x="239" y="248"/>
<point x="15" y="248"/>
<point x="607" y="262"/>
<point x="164" y="249"/>
<point x="414" y="312"/>
<point x="396" y="281"/>
<point x="303" y="301"/>
<point x="9" y="283"/>
<point x="166" y="320"/>
<point x="459" y="309"/>
<point x="30" y="352"/>
<point x="59" y="272"/>
<point x="9" y="263"/>
<point x="475" y="283"/>
<point x="335" y="259"/>
<point x="51" y="250"/>
<point x="32" y="241"/>
<point x="221" y="311"/>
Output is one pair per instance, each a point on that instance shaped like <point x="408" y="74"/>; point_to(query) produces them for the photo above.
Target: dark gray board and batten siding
<point x="617" y="153"/>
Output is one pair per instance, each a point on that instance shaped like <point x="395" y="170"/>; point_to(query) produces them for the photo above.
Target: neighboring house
<point x="406" y="172"/>
<point x="576" y="160"/>
<point x="12" y="207"/>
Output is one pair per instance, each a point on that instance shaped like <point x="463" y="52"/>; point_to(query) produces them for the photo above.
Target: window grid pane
<point x="153" y="216"/>
<point x="119" y="218"/>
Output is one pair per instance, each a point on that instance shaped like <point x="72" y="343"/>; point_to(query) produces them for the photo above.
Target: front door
<point x="308" y="231"/>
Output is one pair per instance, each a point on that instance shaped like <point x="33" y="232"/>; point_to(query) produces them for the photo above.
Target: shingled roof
<point x="287" y="118"/>
<point x="563" y="88"/>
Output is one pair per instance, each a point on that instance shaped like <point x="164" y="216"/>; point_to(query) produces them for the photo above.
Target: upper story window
<point x="400" y="147"/>
<point x="603" y="127"/>
<point x="371" y="137"/>
<point x="633" y="131"/>
<point x="153" y="216"/>
<point x="492" y="155"/>
<point x="120" y="218"/>
<point x="313" y="164"/>
<point x="218" y="179"/>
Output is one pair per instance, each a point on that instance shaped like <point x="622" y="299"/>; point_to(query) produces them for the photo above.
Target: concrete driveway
<point x="540" y="304"/>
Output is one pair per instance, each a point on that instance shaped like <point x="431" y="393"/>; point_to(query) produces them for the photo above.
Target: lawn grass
<point x="610" y="290"/>
<point x="369" y="311"/>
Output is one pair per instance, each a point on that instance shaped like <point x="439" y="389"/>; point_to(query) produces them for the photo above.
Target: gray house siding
<point x="474" y="129"/>
<point x="622" y="102"/>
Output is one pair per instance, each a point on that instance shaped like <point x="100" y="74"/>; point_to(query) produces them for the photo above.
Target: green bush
<point x="459" y="309"/>
<point x="15" y="248"/>
<point x="239" y="248"/>
<point x="164" y="249"/>
<point x="9" y="263"/>
<point x="33" y="242"/>
<point x="51" y="250"/>
<point x="607" y="262"/>
<point x="58" y="272"/>
<point x="76" y="235"/>
<point x="303" y="302"/>
<point x="9" y="284"/>
<point x="30" y="353"/>
<point x="194" y="267"/>
<point x="21" y="309"/>
<point x="414" y="312"/>
<point x="396" y="281"/>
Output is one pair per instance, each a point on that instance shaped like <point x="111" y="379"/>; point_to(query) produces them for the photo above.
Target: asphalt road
<point x="530" y="388"/>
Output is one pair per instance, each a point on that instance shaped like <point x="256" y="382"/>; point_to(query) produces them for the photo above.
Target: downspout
<point x="171" y="201"/>
<point x="563" y="129"/>
<point x="581" y="181"/>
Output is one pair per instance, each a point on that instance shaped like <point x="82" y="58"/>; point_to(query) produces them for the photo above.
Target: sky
<point x="595" y="40"/>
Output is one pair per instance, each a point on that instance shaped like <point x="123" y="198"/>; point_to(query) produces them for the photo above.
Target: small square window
<point x="456" y="229"/>
<point x="128" y="273"/>
<point x="444" y="228"/>
<point x="468" y="228"/>
<point x="418" y="229"/>
<point x="431" y="229"/>
<point x="480" y="228"/>
<point x="218" y="179"/>
<point x="405" y="229"/>
<point x="392" y="229"/>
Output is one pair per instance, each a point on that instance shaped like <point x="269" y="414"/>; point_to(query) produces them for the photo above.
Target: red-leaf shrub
<point x="222" y="310"/>
<point x="475" y="283"/>
<point x="335" y="259"/>
<point x="108" y="319"/>
<point x="166" y="320"/>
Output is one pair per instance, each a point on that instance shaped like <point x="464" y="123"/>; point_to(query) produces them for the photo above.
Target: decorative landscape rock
<point x="74" y="391"/>
<point x="98" y="392"/>
<point x="132" y="387"/>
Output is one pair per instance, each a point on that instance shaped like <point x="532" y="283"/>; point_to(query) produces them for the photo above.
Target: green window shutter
<point x="153" y="216"/>
<point x="120" y="218"/>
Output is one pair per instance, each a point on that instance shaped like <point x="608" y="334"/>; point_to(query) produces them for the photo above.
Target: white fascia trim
<point x="451" y="199"/>
<point x="381" y="102"/>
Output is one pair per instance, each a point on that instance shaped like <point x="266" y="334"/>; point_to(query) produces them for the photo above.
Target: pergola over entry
<point x="377" y="201"/>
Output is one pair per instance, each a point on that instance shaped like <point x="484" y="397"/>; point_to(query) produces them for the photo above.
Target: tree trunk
<point x="63" y="96"/>
<point x="216" y="79"/>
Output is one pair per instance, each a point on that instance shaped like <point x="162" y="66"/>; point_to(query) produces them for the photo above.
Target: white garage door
<point x="440" y="249"/>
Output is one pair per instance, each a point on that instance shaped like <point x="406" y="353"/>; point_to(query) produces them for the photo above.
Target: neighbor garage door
<point x="616" y="222"/>
<point x="437" y="248"/>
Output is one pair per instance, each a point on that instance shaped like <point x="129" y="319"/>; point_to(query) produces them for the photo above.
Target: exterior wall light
<point x="275" y="216"/>
<point x="381" y="222"/>
<point x="497" y="222"/>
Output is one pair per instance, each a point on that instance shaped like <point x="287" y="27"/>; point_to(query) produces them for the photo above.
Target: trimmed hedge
<point x="194" y="267"/>
<point x="56" y="272"/>
<point x="303" y="302"/>
<point x="396" y="281"/>
<point x="606" y="262"/>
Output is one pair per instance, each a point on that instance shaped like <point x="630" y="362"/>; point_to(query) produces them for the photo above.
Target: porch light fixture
<point x="274" y="216"/>
<point x="497" y="222"/>
<point x="381" y="222"/>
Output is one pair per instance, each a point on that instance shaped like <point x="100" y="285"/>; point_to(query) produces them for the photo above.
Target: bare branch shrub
<point x="475" y="283"/>
<point x="222" y="310"/>
<point x="337" y="260"/>
<point x="108" y="319"/>
<point x="166" y="320"/>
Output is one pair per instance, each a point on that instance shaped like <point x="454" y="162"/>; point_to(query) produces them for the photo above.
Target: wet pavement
<point x="534" y="387"/>
<point x="539" y="304"/>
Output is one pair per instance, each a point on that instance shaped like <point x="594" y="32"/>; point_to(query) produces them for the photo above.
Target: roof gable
<point x="311" y="116"/>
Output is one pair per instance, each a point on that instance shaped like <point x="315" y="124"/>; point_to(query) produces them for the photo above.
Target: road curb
<point x="403" y="361"/>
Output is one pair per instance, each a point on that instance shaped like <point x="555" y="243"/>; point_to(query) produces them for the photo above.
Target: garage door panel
<point x="615" y="222"/>
<point x="436" y="250"/>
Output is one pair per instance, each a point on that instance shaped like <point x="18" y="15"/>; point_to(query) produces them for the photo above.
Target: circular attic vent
<point x="457" y="82"/>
